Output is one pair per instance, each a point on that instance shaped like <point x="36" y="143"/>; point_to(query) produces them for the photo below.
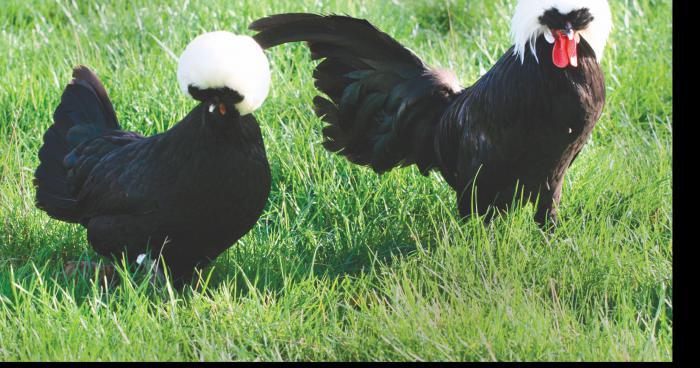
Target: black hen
<point x="521" y="124"/>
<point x="188" y="193"/>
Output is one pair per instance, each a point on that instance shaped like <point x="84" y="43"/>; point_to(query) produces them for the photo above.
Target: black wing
<point x="116" y="174"/>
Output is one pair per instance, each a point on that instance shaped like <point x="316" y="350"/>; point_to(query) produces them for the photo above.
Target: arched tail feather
<point x="383" y="104"/>
<point x="84" y="112"/>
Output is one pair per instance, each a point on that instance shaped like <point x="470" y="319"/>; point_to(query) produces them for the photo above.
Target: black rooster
<point x="520" y="125"/>
<point x="186" y="194"/>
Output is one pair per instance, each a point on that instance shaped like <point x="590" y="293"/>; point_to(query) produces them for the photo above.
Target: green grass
<point x="345" y="264"/>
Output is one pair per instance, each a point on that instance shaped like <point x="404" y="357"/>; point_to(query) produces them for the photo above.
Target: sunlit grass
<point x="344" y="264"/>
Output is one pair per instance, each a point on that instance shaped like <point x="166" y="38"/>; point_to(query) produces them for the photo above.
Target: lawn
<point x="344" y="264"/>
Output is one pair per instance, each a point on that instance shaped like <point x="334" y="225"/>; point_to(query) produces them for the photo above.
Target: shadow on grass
<point x="241" y="270"/>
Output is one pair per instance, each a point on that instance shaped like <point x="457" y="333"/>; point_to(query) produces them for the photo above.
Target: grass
<point x="345" y="264"/>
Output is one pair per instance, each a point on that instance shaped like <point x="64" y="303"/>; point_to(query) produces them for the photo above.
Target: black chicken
<point x="186" y="194"/>
<point x="518" y="127"/>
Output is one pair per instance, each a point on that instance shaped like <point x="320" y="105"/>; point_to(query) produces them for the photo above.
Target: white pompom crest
<point x="223" y="59"/>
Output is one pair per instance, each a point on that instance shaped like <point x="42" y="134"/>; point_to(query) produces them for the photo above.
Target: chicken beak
<point x="569" y="31"/>
<point x="221" y="107"/>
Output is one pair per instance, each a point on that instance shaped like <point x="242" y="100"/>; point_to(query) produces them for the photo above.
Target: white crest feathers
<point x="222" y="59"/>
<point x="526" y="27"/>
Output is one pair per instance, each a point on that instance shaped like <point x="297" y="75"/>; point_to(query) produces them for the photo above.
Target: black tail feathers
<point x="84" y="112"/>
<point x="384" y="103"/>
